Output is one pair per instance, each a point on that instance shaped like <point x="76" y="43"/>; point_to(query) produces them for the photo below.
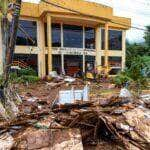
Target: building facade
<point x="69" y="37"/>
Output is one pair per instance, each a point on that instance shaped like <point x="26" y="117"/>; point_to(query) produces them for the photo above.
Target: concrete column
<point x="41" y="54"/>
<point x="62" y="36"/>
<point x="62" y="46"/>
<point x="106" y="53"/>
<point x="1" y="52"/>
<point x="49" y="42"/>
<point x="83" y="56"/>
<point x="98" y="48"/>
<point x="123" y="49"/>
<point x="62" y="63"/>
<point x="83" y="62"/>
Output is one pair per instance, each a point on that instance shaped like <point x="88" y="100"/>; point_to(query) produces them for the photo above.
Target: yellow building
<point x="70" y="35"/>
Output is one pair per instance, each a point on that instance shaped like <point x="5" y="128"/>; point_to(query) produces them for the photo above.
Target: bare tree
<point x="9" y="33"/>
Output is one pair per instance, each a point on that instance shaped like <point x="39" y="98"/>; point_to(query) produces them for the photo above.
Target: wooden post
<point x="106" y="49"/>
<point x="49" y="41"/>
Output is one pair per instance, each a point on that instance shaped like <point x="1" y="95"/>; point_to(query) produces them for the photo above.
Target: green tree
<point x="147" y="36"/>
<point x="141" y="49"/>
<point x="134" y="50"/>
<point x="137" y="75"/>
<point x="137" y="64"/>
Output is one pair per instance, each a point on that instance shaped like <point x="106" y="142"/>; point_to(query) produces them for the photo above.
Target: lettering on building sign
<point x="72" y="51"/>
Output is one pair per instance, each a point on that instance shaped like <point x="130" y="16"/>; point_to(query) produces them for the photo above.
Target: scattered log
<point x="55" y="85"/>
<point x="67" y="107"/>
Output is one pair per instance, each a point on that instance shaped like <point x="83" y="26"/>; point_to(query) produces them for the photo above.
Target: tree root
<point x="8" y="103"/>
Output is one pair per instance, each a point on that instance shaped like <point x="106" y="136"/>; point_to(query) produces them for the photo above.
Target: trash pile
<point x="118" y="122"/>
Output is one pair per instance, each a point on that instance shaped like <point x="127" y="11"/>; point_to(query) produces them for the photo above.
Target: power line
<point x="56" y="5"/>
<point x="129" y="26"/>
<point x="134" y="11"/>
<point x="78" y="12"/>
<point x="145" y="3"/>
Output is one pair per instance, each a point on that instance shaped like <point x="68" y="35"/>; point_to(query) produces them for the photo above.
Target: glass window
<point x="73" y="36"/>
<point x="114" y="71"/>
<point x="103" y="61"/>
<point x="115" y="61"/>
<point x="102" y="39"/>
<point x="56" y="35"/>
<point x="29" y="60"/>
<point x="115" y="39"/>
<point x="45" y="31"/>
<point x="57" y="63"/>
<point x="89" y="38"/>
<point x="31" y="28"/>
<point x="89" y="63"/>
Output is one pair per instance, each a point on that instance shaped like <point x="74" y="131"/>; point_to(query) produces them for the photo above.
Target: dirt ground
<point x="44" y="92"/>
<point x="36" y="115"/>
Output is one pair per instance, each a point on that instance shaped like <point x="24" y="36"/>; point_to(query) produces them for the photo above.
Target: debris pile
<point x="116" y="122"/>
<point x="131" y="127"/>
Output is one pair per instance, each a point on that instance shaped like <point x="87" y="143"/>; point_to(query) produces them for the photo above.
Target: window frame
<point x="60" y="34"/>
<point x="94" y="47"/>
<point x="103" y="48"/>
<point x="82" y="40"/>
<point x="37" y="34"/>
<point x="103" y="61"/>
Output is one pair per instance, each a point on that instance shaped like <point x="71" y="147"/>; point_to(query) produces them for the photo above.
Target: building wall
<point x="40" y="50"/>
<point x="91" y="14"/>
<point x="81" y="8"/>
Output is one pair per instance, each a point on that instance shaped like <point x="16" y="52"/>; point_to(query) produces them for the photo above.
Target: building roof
<point x="90" y="10"/>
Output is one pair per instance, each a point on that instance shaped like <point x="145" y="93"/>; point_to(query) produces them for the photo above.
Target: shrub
<point x="29" y="78"/>
<point x="23" y="76"/>
<point x="137" y="74"/>
<point x="27" y="71"/>
<point x="122" y="78"/>
<point x="13" y="76"/>
<point x="24" y="79"/>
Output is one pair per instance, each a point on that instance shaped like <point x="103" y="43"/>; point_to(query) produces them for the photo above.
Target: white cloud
<point x="137" y="10"/>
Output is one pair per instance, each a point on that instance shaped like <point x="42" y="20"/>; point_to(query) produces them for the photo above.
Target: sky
<point x="137" y="10"/>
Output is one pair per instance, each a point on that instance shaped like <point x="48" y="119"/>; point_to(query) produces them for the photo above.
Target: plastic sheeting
<point x="69" y="96"/>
